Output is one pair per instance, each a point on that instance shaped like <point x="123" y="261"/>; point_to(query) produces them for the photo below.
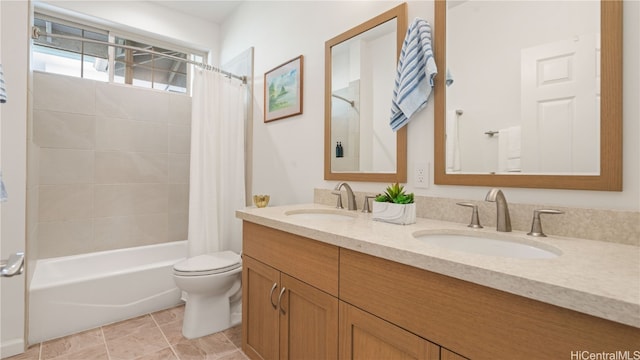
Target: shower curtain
<point x="217" y="184"/>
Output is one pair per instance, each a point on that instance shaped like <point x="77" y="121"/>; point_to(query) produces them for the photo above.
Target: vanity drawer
<point x="308" y="260"/>
<point x="473" y="320"/>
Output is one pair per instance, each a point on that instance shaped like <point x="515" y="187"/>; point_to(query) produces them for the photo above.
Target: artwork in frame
<point x="283" y="90"/>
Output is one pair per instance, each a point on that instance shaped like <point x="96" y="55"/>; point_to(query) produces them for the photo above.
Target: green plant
<point x="395" y="194"/>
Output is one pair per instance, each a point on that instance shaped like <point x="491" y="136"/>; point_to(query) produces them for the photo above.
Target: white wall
<point x="288" y="154"/>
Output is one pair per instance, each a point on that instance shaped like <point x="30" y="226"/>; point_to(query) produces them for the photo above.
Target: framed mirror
<point x="360" y="70"/>
<point x="548" y="113"/>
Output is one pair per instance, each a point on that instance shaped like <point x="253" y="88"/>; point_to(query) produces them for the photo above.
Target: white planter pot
<point x="402" y="214"/>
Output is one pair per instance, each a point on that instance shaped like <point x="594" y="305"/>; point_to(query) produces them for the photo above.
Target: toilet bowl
<point x="209" y="281"/>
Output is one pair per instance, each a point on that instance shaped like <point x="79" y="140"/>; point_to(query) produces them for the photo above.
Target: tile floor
<point x="156" y="336"/>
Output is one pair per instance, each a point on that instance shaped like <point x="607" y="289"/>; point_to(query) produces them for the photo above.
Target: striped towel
<point x="416" y="71"/>
<point x="3" y="92"/>
<point x="3" y="191"/>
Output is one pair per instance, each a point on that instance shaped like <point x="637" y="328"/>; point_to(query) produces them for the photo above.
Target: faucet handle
<point x="339" y="203"/>
<point x="536" y="224"/>
<point x="475" y="219"/>
<point x="366" y="208"/>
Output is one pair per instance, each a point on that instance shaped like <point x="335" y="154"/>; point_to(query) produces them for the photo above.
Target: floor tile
<point x="156" y="336"/>
<point x="97" y="352"/>
<point x="173" y="332"/>
<point x="207" y="347"/>
<point x="169" y="315"/>
<point x="124" y="328"/>
<point x="235" y="335"/>
<point x="236" y="355"/>
<point x="164" y="354"/>
<point x="136" y="342"/>
<point x="71" y="344"/>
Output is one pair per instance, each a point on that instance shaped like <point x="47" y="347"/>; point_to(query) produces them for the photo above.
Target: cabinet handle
<point x="280" y="299"/>
<point x="275" y="285"/>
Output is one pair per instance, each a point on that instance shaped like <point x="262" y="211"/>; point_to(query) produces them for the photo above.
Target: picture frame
<point x="283" y="88"/>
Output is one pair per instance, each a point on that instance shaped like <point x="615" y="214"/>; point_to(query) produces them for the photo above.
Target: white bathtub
<point x="75" y="293"/>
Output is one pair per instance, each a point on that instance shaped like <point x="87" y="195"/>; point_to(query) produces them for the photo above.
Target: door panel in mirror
<point x="587" y="157"/>
<point x="360" y="67"/>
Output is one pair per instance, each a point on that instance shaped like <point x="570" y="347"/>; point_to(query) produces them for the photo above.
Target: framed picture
<point x="283" y="90"/>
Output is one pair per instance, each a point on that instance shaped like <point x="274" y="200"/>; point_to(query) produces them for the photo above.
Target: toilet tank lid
<point x="223" y="260"/>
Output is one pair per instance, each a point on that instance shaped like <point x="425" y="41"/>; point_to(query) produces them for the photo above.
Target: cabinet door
<point x="449" y="355"/>
<point x="308" y="322"/>
<point x="364" y="336"/>
<point x="259" y="310"/>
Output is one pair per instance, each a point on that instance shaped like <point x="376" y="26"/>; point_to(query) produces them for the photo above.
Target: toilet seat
<point x="208" y="264"/>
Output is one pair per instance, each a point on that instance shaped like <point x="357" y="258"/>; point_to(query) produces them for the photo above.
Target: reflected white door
<point x="560" y="107"/>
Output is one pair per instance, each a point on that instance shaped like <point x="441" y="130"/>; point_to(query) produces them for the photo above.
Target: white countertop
<point x="597" y="278"/>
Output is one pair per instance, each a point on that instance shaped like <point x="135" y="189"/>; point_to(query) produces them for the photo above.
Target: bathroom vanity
<point x="351" y="288"/>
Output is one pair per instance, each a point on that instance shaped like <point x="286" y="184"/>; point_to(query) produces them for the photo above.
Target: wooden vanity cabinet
<point x="290" y="288"/>
<point x="293" y="308"/>
<point x="475" y="321"/>
<point x="364" y="336"/>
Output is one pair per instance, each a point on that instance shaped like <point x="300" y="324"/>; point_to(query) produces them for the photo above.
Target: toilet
<point x="211" y="283"/>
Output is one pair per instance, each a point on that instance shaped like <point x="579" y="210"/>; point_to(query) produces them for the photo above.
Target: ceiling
<point x="210" y="10"/>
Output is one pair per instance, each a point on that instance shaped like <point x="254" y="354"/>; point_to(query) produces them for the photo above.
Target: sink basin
<point x="321" y="214"/>
<point x="489" y="246"/>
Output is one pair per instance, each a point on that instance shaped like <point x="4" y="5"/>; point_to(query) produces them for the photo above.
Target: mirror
<point x="529" y="122"/>
<point x="360" y="68"/>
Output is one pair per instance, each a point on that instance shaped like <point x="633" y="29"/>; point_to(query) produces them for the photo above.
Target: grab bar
<point x="12" y="266"/>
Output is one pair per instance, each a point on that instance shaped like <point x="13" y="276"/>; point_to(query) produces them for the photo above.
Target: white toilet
<point x="211" y="282"/>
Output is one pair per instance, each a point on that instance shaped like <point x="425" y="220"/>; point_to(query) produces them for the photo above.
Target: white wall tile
<point x="178" y="198"/>
<point x="178" y="226"/>
<point x="104" y="179"/>
<point x="126" y="102"/>
<point x="130" y="135"/>
<point x="179" y="139"/>
<point x="179" y="109"/>
<point x="179" y="168"/>
<point x="120" y="167"/>
<point x="126" y="231"/>
<point x="61" y="238"/>
<point x="65" y="202"/>
<point x="131" y="199"/>
<point x="63" y="93"/>
<point x="61" y="166"/>
<point x="33" y="165"/>
<point x="54" y="129"/>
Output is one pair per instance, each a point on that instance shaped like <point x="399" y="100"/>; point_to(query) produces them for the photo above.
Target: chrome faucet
<point x="503" y="221"/>
<point x="351" y="198"/>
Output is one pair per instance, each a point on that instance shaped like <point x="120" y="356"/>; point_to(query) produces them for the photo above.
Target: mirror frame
<point x="610" y="177"/>
<point x="400" y="13"/>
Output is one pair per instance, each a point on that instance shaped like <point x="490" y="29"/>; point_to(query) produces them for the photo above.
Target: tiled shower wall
<point x="113" y="165"/>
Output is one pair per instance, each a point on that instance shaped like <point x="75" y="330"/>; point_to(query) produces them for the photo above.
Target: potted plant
<point x="395" y="206"/>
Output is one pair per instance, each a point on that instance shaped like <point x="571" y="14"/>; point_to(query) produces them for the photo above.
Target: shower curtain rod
<point x="35" y="34"/>
<point x="351" y="102"/>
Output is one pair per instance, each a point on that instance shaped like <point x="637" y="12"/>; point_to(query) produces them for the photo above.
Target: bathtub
<point x="80" y="292"/>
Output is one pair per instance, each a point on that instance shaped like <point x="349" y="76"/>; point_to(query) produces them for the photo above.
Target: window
<point x="149" y="70"/>
<point x="70" y="57"/>
<point x="144" y="68"/>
